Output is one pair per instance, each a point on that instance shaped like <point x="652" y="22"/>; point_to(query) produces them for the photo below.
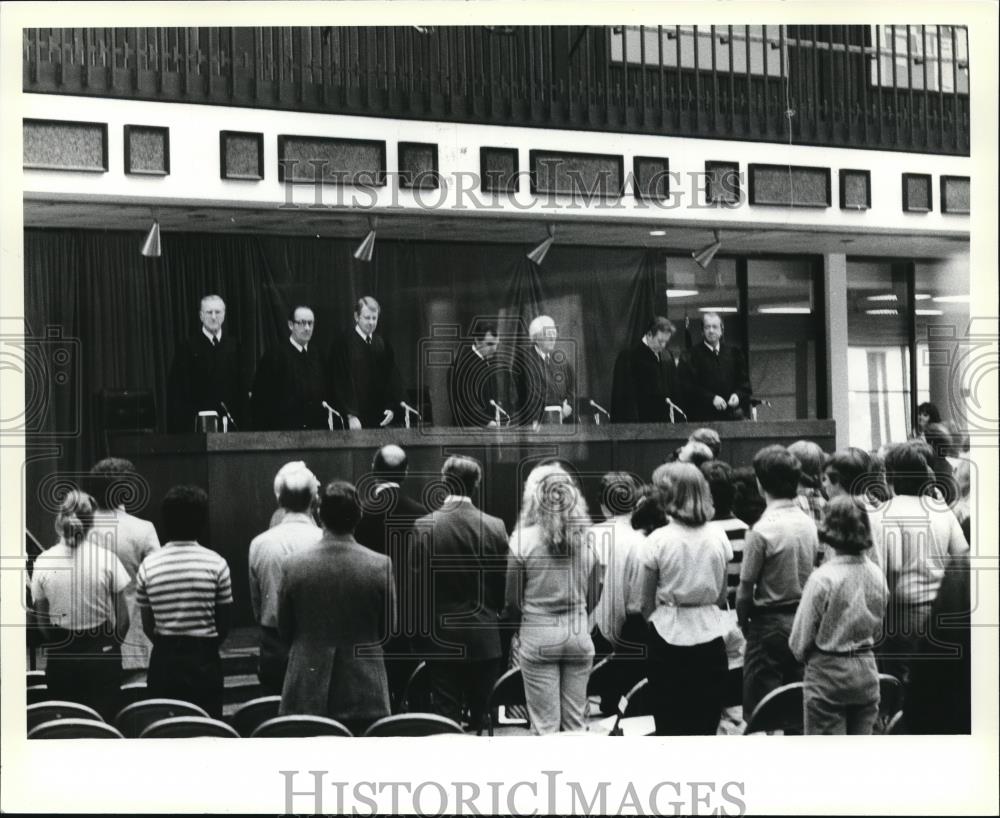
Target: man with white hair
<point x="542" y="375"/>
<point x="296" y="488"/>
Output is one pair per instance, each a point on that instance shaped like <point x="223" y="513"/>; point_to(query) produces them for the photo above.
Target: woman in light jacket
<point x="553" y="582"/>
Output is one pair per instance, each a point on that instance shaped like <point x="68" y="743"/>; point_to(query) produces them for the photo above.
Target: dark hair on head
<point x="462" y="474"/>
<point x="111" y="481"/>
<point x="75" y="517"/>
<point x="709" y="437"/>
<point x="906" y="467"/>
<point x="845" y="525"/>
<point x="484" y="328"/>
<point x="295" y="307"/>
<point x="648" y="514"/>
<point x="851" y="469"/>
<point x="932" y="412"/>
<point x="620" y="492"/>
<point x="938" y="437"/>
<point x="390" y="462"/>
<point x="695" y="453"/>
<point x="810" y="457"/>
<point x="720" y="482"/>
<point x="748" y="505"/>
<point x="660" y="324"/>
<point x="339" y="508"/>
<point x="185" y="513"/>
<point x="778" y="471"/>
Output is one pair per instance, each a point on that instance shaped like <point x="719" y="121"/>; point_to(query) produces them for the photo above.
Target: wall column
<point x="835" y="296"/>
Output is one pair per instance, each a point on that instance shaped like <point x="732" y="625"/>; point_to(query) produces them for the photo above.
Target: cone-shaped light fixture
<point x="704" y="256"/>
<point x="151" y="246"/>
<point x="538" y="254"/>
<point x="367" y="246"/>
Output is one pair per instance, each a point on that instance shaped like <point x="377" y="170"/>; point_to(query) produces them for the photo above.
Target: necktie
<point x="368" y="340"/>
<point x="215" y="340"/>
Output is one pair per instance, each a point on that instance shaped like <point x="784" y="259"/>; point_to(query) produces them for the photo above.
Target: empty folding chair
<point x="300" y="727"/>
<point x="189" y="727"/>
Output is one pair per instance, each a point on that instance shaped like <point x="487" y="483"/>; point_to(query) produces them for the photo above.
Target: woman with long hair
<point x="78" y="590"/>
<point x="553" y="581"/>
<point x="683" y="592"/>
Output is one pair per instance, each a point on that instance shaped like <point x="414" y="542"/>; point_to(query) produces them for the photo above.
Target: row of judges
<point x="356" y="383"/>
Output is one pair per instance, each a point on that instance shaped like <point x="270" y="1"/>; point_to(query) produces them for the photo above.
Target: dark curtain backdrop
<point x="125" y="313"/>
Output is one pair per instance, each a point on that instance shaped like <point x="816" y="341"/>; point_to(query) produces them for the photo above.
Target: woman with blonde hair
<point x="682" y="594"/>
<point x="553" y="581"/>
<point x="78" y="590"/>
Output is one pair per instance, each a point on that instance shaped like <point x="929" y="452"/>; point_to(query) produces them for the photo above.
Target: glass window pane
<point x="783" y="326"/>
<point x="692" y="291"/>
<point x="878" y="353"/>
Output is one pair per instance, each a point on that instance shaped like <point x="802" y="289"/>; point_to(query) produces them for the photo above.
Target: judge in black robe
<point x="542" y="376"/>
<point x="717" y="384"/>
<point x="645" y="377"/>
<point x="473" y="382"/>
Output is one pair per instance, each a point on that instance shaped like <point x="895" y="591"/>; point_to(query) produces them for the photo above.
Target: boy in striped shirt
<point x="185" y="596"/>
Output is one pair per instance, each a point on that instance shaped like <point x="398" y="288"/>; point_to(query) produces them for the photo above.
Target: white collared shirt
<point x="456" y="498"/>
<point x="361" y="335"/>
<point x="383" y="486"/>
<point x="713" y="349"/>
<point x="297" y="345"/>
<point x="541" y="354"/>
<point x="480" y="354"/>
<point x="217" y="336"/>
<point x="657" y="354"/>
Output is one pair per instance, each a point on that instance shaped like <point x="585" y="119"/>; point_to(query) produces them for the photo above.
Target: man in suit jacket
<point x="207" y="373"/>
<point x="473" y="381"/>
<point x="715" y="376"/>
<point x="387" y="527"/>
<point x="363" y="370"/>
<point x="336" y="606"/>
<point x="542" y="376"/>
<point x="461" y="557"/>
<point x="645" y="377"/>
<point x="130" y="539"/>
<point x="291" y="382"/>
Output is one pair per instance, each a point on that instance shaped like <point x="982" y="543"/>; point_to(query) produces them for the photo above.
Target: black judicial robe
<point x="706" y="375"/>
<point x="202" y="378"/>
<point x="541" y="382"/>
<point x="641" y="385"/>
<point x="289" y="389"/>
<point x="365" y="378"/>
<point x="472" y="383"/>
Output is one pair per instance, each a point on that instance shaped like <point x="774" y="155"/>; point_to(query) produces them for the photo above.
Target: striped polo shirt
<point x="182" y="583"/>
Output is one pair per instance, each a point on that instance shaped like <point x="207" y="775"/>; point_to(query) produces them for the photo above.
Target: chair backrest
<point x="413" y="724"/>
<point x="896" y="725"/>
<point x="508" y="690"/>
<point x="134" y="692"/>
<point x="890" y="696"/>
<point x="300" y="727"/>
<point x="635" y="703"/>
<point x="781" y="709"/>
<point x="189" y="727"/>
<point x="35" y="677"/>
<point x="53" y="710"/>
<point x="37" y="693"/>
<point x="416" y="694"/>
<point x="249" y="716"/>
<point x="74" y="728"/>
<point x="599" y="678"/>
<point x="134" y="718"/>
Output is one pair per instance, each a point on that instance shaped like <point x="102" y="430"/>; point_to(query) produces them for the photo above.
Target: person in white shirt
<point x="78" y="591"/>
<point x="684" y="591"/>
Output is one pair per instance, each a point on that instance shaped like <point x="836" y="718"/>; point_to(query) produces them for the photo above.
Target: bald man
<point x="296" y="488"/>
<point x="388" y="527"/>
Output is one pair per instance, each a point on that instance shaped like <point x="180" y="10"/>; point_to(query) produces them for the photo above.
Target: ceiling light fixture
<point x="538" y="254"/>
<point x="681" y="293"/>
<point x="704" y="256"/>
<point x="367" y="247"/>
<point x="151" y="246"/>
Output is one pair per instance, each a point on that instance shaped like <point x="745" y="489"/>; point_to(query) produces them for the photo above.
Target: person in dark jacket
<point x="715" y="376"/>
<point x="645" y="378"/>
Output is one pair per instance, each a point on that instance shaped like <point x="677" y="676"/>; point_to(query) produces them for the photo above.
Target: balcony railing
<point x="881" y="87"/>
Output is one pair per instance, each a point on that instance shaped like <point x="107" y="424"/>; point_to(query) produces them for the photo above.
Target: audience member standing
<point x="778" y="556"/>
<point x="553" y="580"/>
<point x="335" y="609"/>
<point x="78" y="590"/>
<point x="683" y="589"/>
<point x="207" y="372"/>
<point x="720" y="482"/>
<point x="809" y="497"/>
<point x="130" y="539"/>
<point x="185" y="596"/>
<point x="363" y="370"/>
<point x="461" y="557"/>
<point x="838" y="622"/>
<point x="387" y="527"/>
<point x="297" y="489"/>
<point x="916" y="533"/>
<point x="851" y="473"/>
